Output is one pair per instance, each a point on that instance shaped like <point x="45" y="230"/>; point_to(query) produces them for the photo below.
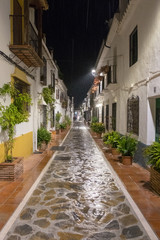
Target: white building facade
<point x="26" y="61"/>
<point x="127" y="92"/>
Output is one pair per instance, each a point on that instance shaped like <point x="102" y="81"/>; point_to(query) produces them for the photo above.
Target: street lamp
<point x="93" y="72"/>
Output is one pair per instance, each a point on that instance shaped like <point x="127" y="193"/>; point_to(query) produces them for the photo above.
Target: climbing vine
<point x="12" y="114"/>
<point x="48" y="96"/>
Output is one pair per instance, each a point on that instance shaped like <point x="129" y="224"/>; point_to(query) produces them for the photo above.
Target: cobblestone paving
<point x="77" y="198"/>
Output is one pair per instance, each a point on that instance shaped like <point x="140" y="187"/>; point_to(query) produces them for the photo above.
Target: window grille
<point x="133" y="115"/>
<point x="22" y="87"/>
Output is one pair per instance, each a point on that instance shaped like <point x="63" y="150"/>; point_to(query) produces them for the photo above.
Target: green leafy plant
<point x="43" y="136"/>
<point x="98" y="127"/>
<point x="105" y="136"/>
<point x="48" y="96"/>
<point x="94" y="119"/>
<point x="63" y="125"/>
<point x="67" y="120"/>
<point x="127" y="146"/>
<point x="113" y="139"/>
<point x="152" y="152"/>
<point x="14" y="113"/>
<point x="58" y="117"/>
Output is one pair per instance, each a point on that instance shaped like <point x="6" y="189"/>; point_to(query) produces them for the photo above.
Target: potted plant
<point x="98" y="127"/>
<point x="43" y="138"/>
<point x="94" y="120"/>
<point x="112" y="140"/>
<point x="127" y="146"/>
<point x="11" y="115"/>
<point x="63" y="126"/>
<point x="48" y="96"/>
<point x="105" y="137"/>
<point x="67" y="121"/>
<point x="152" y="152"/>
<point x="108" y="146"/>
<point x="58" y="117"/>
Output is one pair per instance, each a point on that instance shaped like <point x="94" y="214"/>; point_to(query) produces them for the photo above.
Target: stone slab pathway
<point x="77" y="198"/>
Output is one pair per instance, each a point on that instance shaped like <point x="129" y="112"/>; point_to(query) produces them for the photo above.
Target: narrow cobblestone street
<point x="77" y="198"/>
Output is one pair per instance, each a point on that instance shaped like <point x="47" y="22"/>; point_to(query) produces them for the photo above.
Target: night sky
<point x="74" y="30"/>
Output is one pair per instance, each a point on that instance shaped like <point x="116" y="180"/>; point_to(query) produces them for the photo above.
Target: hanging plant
<point x="14" y="113"/>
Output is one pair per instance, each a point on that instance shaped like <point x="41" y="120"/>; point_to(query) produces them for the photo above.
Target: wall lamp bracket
<point x="107" y="46"/>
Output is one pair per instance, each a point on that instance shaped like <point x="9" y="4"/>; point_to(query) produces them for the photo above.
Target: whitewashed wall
<point x="143" y="78"/>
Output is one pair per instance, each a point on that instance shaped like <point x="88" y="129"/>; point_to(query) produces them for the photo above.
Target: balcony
<point x="26" y="54"/>
<point x="28" y="50"/>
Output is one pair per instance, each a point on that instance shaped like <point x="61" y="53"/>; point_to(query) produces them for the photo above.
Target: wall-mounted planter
<point x="11" y="171"/>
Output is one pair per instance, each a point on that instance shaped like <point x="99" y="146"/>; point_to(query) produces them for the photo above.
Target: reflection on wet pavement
<point x="77" y="198"/>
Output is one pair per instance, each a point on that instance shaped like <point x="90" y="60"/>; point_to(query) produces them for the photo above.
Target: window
<point x="57" y="93"/>
<point x="99" y="87"/>
<point x="17" y="23"/>
<point x="103" y="83"/>
<point x="107" y="117"/>
<point x="22" y="87"/>
<point x="111" y="75"/>
<point x="52" y="79"/>
<point x="61" y="97"/>
<point x="133" y="115"/>
<point x="133" y="45"/>
<point x="44" y="72"/>
<point x="114" y="109"/>
<point x="102" y="114"/>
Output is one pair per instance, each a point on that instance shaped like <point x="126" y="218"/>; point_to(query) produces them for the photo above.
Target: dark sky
<point x="75" y="30"/>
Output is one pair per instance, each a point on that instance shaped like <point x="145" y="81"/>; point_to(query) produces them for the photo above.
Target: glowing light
<point x="99" y="105"/>
<point x="93" y="72"/>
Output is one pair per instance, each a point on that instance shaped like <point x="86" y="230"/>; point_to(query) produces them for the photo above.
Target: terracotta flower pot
<point x="127" y="160"/>
<point x="115" y="151"/>
<point x="57" y="131"/>
<point x="43" y="146"/>
<point x="11" y="171"/>
<point x="99" y="135"/>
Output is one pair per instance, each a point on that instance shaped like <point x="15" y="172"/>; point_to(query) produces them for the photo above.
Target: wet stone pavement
<point x="77" y="198"/>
